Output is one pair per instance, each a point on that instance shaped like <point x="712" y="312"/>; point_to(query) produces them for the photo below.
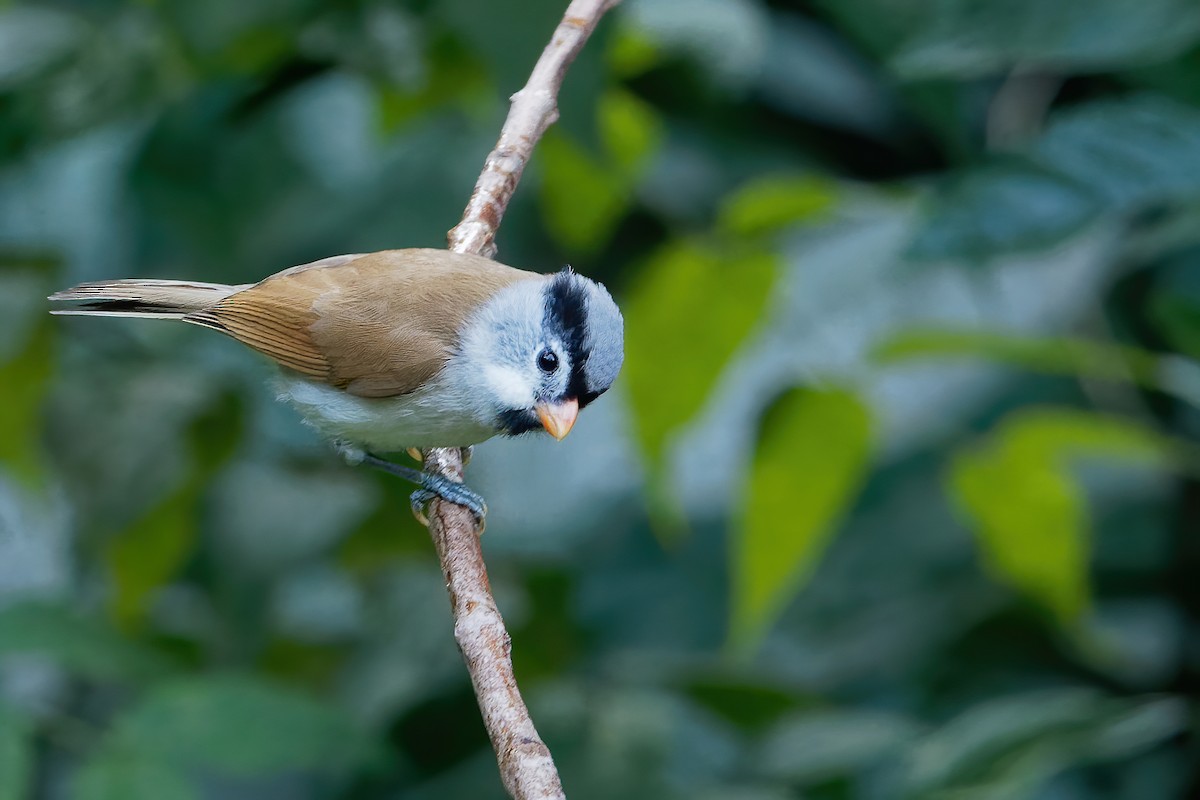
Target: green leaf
<point x="630" y="130"/>
<point x="1009" y="745"/>
<point x="1066" y="435"/>
<point x="743" y="699"/>
<point x="811" y="459"/>
<point x="214" y="435"/>
<point x="766" y="205"/>
<point x="630" y="52"/>
<point x="1029" y="514"/>
<point x="242" y="726"/>
<point x="16" y="756"/>
<point x="86" y="647"/>
<point x="582" y="198"/>
<point x="967" y="38"/>
<point x="1054" y="355"/>
<point x="1131" y="152"/>
<point x="818" y="746"/>
<point x="1032" y="525"/>
<point x="25" y="378"/>
<point x="145" y="555"/>
<point x="150" y="552"/>
<point x="1004" y="207"/>
<point x="585" y="196"/>
<point x="121" y="776"/>
<point x="668" y="344"/>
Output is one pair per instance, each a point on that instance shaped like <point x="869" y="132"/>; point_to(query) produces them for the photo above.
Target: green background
<point x="896" y="497"/>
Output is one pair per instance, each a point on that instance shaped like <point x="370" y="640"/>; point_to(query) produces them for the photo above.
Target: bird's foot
<point x="432" y="486"/>
<point x="452" y="491"/>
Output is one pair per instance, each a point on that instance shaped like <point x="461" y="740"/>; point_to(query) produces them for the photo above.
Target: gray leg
<point x="352" y="454"/>
<point x="431" y="486"/>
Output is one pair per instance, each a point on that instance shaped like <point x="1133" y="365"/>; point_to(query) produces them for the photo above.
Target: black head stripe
<point x="566" y="314"/>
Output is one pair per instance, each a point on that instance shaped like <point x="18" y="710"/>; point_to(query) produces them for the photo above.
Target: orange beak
<point x="558" y="418"/>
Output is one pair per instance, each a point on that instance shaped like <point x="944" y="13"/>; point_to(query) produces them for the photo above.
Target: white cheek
<point x="509" y="386"/>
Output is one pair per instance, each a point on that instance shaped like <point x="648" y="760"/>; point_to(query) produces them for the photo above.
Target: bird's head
<point x="541" y="350"/>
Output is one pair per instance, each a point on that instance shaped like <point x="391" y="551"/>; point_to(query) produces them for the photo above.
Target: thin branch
<point x="533" y="110"/>
<point x="526" y="766"/>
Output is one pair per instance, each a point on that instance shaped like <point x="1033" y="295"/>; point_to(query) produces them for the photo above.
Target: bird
<point x="404" y="349"/>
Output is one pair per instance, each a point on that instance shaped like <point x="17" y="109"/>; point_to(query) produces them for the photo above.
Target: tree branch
<point x="526" y="766"/>
<point x="533" y="110"/>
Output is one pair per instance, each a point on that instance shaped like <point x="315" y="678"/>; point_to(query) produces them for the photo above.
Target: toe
<point x="418" y="500"/>
<point x="453" y="492"/>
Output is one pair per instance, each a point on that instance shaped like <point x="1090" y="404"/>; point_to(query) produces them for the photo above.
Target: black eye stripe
<point x="566" y="313"/>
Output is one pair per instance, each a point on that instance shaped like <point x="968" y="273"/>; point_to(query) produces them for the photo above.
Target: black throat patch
<point x="515" y="422"/>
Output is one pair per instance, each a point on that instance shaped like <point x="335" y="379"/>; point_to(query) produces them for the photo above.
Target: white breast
<point x="436" y="415"/>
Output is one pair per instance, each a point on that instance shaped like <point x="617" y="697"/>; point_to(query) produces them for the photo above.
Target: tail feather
<point x="154" y="299"/>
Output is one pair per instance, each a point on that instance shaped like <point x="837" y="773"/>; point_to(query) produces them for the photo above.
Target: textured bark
<point x="526" y="766"/>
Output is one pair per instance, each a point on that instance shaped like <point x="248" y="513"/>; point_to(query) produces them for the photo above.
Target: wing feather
<point x="376" y="325"/>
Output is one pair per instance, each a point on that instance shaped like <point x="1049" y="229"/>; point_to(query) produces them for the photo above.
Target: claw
<point x="417" y="501"/>
<point x="421" y="498"/>
<point x="433" y="486"/>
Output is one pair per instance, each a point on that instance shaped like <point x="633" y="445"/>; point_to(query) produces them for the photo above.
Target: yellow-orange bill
<point x="558" y="418"/>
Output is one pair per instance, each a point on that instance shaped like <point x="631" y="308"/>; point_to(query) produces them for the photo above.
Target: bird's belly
<point x="428" y="417"/>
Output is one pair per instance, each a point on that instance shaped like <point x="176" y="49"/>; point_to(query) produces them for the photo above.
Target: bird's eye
<point x="547" y="361"/>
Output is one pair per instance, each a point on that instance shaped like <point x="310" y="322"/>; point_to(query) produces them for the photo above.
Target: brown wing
<point x="376" y="325"/>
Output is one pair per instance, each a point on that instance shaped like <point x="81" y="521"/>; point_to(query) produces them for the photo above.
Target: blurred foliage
<point x="809" y="462"/>
<point x="897" y="497"/>
<point x="16" y="756"/>
<point x="661" y="309"/>
<point x="1035" y="532"/>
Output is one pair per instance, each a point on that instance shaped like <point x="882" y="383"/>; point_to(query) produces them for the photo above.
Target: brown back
<point x="376" y="325"/>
